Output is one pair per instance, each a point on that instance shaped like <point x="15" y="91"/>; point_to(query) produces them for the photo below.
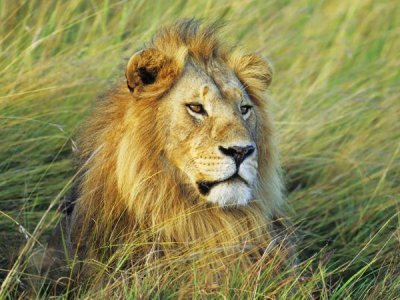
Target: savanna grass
<point x="336" y="104"/>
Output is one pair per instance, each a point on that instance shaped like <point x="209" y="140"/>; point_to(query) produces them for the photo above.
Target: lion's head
<point x="209" y="112"/>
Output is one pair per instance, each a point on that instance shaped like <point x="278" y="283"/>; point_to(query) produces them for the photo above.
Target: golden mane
<point x="127" y="194"/>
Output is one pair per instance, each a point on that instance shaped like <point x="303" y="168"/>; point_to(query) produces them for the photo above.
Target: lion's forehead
<point x="220" y="81"/>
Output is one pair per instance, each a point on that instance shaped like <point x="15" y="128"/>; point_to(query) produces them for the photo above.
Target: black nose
<point x="238" y="153"/>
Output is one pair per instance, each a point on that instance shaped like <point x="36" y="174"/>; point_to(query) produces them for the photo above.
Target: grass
<point x="336" y="104"/>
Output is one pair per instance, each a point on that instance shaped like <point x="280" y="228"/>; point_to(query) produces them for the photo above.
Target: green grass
<point x="336" y="105"/>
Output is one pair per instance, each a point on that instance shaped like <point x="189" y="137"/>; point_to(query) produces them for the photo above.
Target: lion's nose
<point x="238" y="153"/>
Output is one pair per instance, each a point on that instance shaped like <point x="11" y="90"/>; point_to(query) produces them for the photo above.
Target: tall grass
<point x="336" y="103"/>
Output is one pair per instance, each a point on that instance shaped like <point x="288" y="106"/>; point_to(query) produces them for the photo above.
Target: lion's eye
<point x="245" y="109"/>
<point x="197" y="108"/>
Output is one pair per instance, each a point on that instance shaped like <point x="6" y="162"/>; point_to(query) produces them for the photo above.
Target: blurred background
<point x="335" y="100"/>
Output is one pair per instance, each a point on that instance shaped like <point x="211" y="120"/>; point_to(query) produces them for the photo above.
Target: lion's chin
<point x="229" y="193"/>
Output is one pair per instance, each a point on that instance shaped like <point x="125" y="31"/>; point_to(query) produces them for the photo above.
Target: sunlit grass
<point x="336" y="105"/>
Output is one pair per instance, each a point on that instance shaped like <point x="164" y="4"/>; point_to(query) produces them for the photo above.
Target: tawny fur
<point x="130" y="188"/>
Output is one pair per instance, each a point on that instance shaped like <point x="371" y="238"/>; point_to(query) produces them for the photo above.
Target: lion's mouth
<point x="205" y="186"/>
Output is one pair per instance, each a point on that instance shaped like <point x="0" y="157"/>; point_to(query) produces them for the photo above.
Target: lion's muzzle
<point x="231" y="180"/>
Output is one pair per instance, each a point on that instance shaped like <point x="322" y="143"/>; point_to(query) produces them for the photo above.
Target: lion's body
<point x="135" y="185"/>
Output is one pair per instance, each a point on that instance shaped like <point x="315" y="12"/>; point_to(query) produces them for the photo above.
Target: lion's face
<point x="211" y="134"/>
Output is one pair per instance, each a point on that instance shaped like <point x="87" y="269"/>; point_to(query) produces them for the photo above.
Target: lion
<point x="179" y="159"/>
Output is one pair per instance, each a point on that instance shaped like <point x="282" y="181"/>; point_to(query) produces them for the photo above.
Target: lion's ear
<point x="150" y="73"/>
<point x="253" y="71"/>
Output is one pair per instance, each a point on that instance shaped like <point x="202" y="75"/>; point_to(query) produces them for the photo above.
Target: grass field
<point x="336" y="105"/>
